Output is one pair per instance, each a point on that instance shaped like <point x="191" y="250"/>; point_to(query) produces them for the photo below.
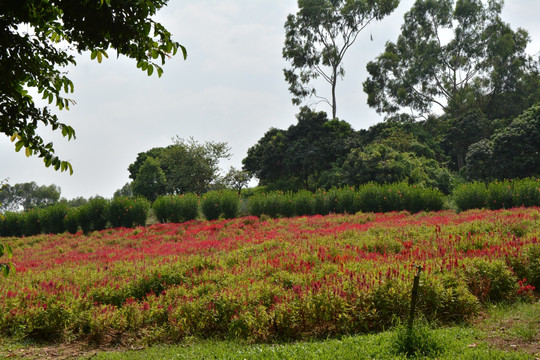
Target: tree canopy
<point x="299" y="155"/>
<point x="318" y="37"/>
<point x="27" y="196"/>
<point x="186" y="166"/>
<point x="482" y="59"/>
<point x="39" y="38"/>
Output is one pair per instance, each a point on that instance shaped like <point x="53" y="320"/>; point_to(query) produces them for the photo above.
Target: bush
<point x="526" y="192"/>
<point x="32" y="226"/>
<point x="71" y="221"/>
<point x="369" y="197"/>
<point x="500" y="195"/>
<point x="13" y="224"/>
<point x="256" y="204"/>
<point x="322" y="202"/>
<point x="163" y="208"/>
<point x="224" y="203"/>
<point x="128" y="212"/>
<point x="171" y="208"/>
<point x="52" y="219"/>
<point x="418" y="199"/>
<point x="420" y="341"/>
<point x="491" y="281"/>
<point x="527" y="265"/>
<point x="92" y="216"/>
<point x="188" y="206"/>
<point x="343" y="200"/>
<point x="230" y="204"/>
<point x="210" y="205"/>
<point x="470" y="196"/>
<point x="304" y="203"/>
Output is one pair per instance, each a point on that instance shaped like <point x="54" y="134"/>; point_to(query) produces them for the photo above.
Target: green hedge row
<point x="59" y="218"/>
<point x="99" y="213"/>
<point x="367" y="198"/>
<point x="498" y="194"/>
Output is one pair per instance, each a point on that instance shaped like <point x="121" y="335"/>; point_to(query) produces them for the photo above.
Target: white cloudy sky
<point x="231" y="88"/>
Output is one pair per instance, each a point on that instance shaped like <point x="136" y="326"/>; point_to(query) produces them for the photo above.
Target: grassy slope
<point x="505" y="333"/>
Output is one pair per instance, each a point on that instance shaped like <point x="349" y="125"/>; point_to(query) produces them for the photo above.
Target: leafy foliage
<point x="317" y="38"/>
<point x="32" y="57"/>
<point x="28" y="195"/>
<point x="297" y="157"/>
<point x="484" y="58"/>
<point x="188" y="167"/>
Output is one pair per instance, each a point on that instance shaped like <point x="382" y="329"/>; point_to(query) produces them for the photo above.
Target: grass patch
<point x="513" y="327"/>
<point x="452" y="343"/>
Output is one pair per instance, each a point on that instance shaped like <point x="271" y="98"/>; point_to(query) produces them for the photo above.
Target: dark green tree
<point x="265" y="160"/>
<point x="150" y="181"/>
<point x="317" y="38"/>
<point x="516" y="148"/>
<point x="188" y="165"/>
<point x="483" y="59"/>
<point x="395" y="157"/>
<point x="298" y="156"/>
<point x="192" y="167"/>
<point x="39" y="38"/>
<point x="479" y="161"/>
<point x="463" y="131"/>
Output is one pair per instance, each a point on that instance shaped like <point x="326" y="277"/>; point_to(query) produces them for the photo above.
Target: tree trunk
<point x="334" y="81"/>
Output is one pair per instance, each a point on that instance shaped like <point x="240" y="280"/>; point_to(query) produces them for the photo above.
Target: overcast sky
<point x="231" y="88"/>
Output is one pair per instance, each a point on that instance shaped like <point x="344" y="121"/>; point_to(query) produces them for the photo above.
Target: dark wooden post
<point x="414" y="296"/>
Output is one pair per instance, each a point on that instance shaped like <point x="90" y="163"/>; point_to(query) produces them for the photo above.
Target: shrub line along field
<point x="268" y="279"/>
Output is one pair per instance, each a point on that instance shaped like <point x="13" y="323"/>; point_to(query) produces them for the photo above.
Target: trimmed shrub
<point x="139" y="211"/>
<point x="322" y="202"/>
<point x="418" y="199"/>
<point x="71" y="221"/>
<point x="470" y="196"/>
<point x="12" y="224"/>
<point x="500" y="195"/>
<point x="370" y="197"/>
<point x="163" y="208"/>
<point x="92" y="216"/>
<point x="52" y="219"/>
<point x="128" y="212"/>
<point x="230" y="204"/>
<point x="218" y="203"/>
<point x="210" y="205"/>
<point x="347" y="201"/>
<point x="188" y="206"/>
<point x="256" y="204"/>
<point x="304" y="203"/>
<point x="32" y="226"/>
<point x="526" y="192"/>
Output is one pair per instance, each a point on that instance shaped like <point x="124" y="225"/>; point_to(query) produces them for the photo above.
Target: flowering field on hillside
<point x="263" y="279"/>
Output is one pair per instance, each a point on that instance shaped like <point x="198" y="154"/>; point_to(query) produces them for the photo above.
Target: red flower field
<point x="261" y="279"/>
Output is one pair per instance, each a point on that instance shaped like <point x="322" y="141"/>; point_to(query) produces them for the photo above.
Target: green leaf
<point x="184" y="51"/>
<point x="159" y="71"/>
<point x="99" y="57"/>
<point x="93" y="54"/>
<point x="150" y="70"/>
<point x="18" y="145"/>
